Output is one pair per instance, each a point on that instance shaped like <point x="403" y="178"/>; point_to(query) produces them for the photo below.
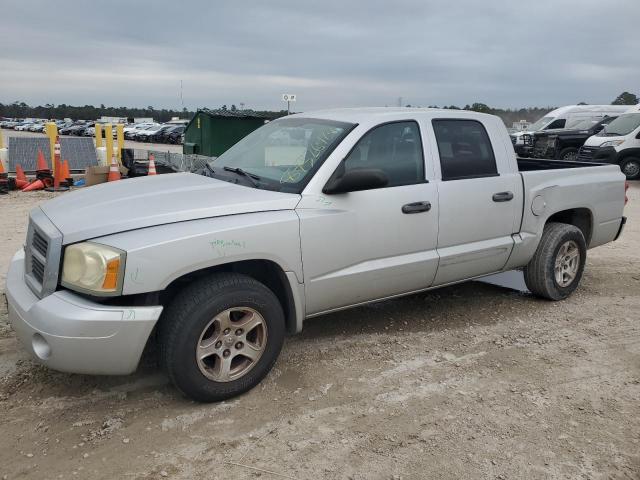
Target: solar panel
<point x="80" y="152"/>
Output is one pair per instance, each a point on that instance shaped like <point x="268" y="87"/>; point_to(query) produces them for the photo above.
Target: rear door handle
<point x="416" y="207"/>
<point x="502" y="196"/>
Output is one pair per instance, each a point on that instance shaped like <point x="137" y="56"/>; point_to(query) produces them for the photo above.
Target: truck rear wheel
<point x="220" y="336"/>
<point x="630" y="166"/>
<point x="556" y="268"/>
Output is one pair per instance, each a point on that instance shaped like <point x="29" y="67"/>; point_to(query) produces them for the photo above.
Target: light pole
<point x="289" y="97"/>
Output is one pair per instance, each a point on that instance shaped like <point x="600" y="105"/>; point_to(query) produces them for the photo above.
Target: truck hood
<point x="148" y="201"/>
<point x="596" y="140"/>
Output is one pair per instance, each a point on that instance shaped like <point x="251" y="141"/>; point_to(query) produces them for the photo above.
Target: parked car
<point x="563" y="144"/>
<point x="174" y="135"/>
<point x="618" y="143"/>
<point x="24" y="126"/>
<point x="214" y="264"/>
<point x="10" y="124"/>
<point x="159" y="136"/>
<point x="130" y="133"/>
<point x="144" y="134"/>
<point x="560" y="118"/>
<point x="37" y="127"/>
<point x="79" y="129"/>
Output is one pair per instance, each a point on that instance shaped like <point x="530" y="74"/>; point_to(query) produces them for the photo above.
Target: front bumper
<point x="623" y="222"/>
<point x="598" y="155"/>
<point x="67" y="332"/>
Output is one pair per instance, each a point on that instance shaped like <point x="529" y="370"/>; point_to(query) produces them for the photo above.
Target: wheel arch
<point x="581" y="218"/>
<point x="628" y="152"/>
<point x="269" y="273"/>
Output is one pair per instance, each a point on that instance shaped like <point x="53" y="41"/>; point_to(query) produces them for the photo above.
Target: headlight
<point x="612" y="143"/>
<point x="93" y="268"/>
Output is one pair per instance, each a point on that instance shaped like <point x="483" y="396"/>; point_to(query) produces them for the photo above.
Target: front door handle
<point x="502" y="196"/>
<point x="416" y="207"/>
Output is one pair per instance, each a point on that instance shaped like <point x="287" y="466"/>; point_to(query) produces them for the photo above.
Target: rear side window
<point x="394" y="148"/>
<point x="465" y="149"/>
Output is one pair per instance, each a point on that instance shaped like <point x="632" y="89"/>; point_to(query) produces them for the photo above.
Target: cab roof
<point x="381" y="114"/>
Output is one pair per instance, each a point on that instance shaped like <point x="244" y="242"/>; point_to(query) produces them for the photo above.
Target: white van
<point x="618" y="142"/>
<point x="561" y="118"/>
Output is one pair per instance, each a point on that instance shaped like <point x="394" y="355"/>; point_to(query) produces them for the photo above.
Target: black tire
<point x="568" y="154"/>
<point x="630" y="166"/>
<point x="187" y="317"/>
<point x="539" y="274"/>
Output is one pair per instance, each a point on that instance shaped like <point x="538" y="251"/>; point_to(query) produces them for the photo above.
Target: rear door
<point x="479" y="196"/>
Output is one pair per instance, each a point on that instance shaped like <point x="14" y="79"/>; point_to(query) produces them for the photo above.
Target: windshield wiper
<point x="250" y="176"/>
<point x="209" y="172"/>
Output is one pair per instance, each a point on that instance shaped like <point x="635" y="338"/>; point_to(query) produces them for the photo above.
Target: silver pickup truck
<point x="307" y="215"/>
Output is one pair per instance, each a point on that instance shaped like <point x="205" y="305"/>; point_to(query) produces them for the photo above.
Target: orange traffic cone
<point x="66" y="174"/>
<point x="42" y="162"/>
<point x="152" y="165"/>
<point x="35" y="185"/>
<point x="4" y="180"/>
<point x="114" y="171"/>
<point x="21" y="178"/>
<point x="57" y="177"/>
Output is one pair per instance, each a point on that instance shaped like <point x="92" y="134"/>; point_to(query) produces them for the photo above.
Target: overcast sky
<point x="330" y="53"/>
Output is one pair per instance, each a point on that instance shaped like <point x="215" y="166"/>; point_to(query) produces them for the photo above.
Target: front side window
<point x="465" y="149"/>
<point x="395" y="148"/>
<point x="540" y="124"/>
<point x="559" y="123"/>
<point x="284" y="154"/>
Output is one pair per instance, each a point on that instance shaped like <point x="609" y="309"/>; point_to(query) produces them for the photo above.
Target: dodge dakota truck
<point x="309" y="214"/>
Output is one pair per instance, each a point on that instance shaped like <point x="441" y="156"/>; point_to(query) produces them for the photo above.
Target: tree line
<point x="509" y="116"/>
<point x="20" y="109"/>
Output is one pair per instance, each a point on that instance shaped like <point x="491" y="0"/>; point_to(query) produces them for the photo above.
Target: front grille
<point x="40" y="243"/>
<point x="544" y="147"/>
<point x="37" y="269"/>
<point x="42" y="254"/>
<point x="585" y="154"/>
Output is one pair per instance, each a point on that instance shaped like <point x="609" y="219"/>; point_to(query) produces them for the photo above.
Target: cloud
<point x="330" y="53"/>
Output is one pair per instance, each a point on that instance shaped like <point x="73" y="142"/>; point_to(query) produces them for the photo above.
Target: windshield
<point x="623" y="125"/>
<point x="540" y="124"/>
<point x="284" y="154"/>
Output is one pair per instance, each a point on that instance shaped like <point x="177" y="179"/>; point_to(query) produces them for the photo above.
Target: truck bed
<point x="534" y="164"/>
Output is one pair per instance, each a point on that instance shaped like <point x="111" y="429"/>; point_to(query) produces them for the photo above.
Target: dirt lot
<point x="472" y="381"/>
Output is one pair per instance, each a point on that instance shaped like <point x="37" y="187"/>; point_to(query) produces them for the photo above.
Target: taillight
<point x="626" y="187"/>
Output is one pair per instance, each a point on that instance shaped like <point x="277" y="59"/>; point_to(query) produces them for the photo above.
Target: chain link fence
<point x="137" y="161"/>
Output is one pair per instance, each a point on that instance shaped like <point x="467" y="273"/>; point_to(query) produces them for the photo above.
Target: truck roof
<point x="586" y="108"/>
<point x="361" y="114"/>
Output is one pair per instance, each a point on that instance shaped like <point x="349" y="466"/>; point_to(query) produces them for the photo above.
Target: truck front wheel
<point x="568" y="154"/>
<point x="220" y="336"/>
<point x="556" y="268"/>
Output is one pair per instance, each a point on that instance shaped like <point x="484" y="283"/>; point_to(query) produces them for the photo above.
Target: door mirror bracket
<point x="356" y="180"/>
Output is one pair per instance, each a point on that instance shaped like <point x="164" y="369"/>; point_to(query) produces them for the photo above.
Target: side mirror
<point x="356" y="180"/>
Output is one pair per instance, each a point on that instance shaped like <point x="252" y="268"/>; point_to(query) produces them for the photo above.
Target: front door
<point x="367" y="245"/>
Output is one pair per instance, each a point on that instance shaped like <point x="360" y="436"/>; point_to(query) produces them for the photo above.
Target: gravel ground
<point x="471" y="381"/>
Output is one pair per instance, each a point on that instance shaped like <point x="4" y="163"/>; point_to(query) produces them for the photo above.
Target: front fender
<point x="158" y="255"/>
